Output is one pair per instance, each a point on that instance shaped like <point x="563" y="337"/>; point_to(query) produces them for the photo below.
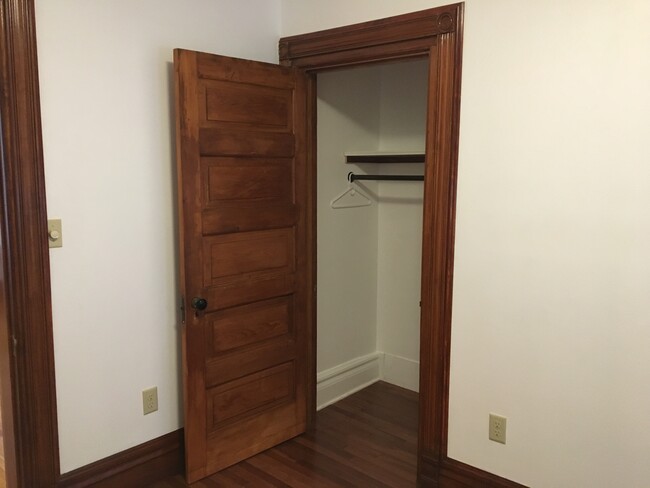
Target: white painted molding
<point x="401" y="371"/>
<point x="338" y="382"/>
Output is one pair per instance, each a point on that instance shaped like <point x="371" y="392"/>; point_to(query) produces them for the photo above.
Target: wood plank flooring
<point x="368" y="439"/>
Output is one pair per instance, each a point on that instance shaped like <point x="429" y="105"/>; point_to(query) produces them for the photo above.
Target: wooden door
<point x="241" y="134"/>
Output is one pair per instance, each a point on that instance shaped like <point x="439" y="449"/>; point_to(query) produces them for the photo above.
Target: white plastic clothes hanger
<point x="351" y="197"/>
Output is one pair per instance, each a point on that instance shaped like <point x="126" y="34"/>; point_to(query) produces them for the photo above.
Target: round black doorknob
<point x="199" y="303"/>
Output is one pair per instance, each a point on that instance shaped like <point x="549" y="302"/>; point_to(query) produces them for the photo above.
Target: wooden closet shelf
<point x="385" y="158"/>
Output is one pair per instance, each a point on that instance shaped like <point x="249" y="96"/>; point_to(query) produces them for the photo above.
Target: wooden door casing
<point x="241" y="129"/>
<point x="27" y="382"/>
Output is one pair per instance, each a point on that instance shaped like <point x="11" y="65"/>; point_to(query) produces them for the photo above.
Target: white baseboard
<point x="336" y="383"/>
<point x="401" y="371"/>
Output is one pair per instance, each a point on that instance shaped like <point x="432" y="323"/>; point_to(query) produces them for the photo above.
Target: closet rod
<point x="352" y="177"/>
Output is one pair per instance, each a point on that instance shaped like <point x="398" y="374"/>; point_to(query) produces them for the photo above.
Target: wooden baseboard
<point x="136" y="467"/>
<point x="454" y="474"/>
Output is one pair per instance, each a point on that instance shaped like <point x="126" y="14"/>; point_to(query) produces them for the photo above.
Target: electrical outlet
<point x="498" y="428"/>
<point x="149" y="400"/>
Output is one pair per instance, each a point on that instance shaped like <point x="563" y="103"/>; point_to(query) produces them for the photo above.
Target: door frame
<point x="26" y="346"/>
<point x="437" y="34"/>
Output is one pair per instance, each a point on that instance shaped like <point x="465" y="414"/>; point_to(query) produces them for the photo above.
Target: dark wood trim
<point x="438" y="239"/>
<point x="437" y="34"/>
<point x="139" y="466"/>
<point x="454" y="473"/>
<point x="25" y="253"/>
<point x="450" y="473"/>
<point x="6" y="357"/>
<point x="401" y="36"/>
<point x="312" y="247"/>
<point x="384" y="158"/>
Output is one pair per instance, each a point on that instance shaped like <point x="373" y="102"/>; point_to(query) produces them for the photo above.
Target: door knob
<point x="199" y="303"/>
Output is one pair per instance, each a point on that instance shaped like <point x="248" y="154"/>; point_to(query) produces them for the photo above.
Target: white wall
<point x="550" y="317"/>
<point x="404" y="90"/>
<point x="301" y="16"/>
<point x="107" y="103"/>
<point x="403" y="123"/>
<point x="348" y="121"/>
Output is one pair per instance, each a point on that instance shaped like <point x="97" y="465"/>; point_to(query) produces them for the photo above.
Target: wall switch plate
<point x="54" y="233"/>
<point x="149" y="400"/>
<point x="498" y="428"/>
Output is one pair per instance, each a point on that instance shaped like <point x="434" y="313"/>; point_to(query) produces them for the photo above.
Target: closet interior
<point x="371" y="141"/>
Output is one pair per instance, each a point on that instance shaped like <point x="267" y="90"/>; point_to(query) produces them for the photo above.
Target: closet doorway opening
<point x="371" y="121"/>
<point x="433" y="37"/>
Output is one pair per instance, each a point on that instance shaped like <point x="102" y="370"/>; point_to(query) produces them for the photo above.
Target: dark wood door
<point x="241" y="134"/>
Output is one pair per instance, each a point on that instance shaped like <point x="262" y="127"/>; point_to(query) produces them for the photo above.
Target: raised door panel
<point x="247" y="106"/>
<point x="236" y="180"/>
<point x="248" y="395"/>
<point x="246" y="255"/>
<point x="255" y="323"/>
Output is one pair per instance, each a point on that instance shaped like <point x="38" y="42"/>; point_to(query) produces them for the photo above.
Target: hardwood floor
<point x="368" y="439"/>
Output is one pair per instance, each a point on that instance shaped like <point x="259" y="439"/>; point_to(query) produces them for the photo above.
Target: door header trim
<point x="401" y="36"/>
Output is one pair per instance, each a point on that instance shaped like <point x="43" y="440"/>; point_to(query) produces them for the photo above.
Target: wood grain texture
<point x="133" y="468"/>
<point x="249" y="324"/>
<point x="437" y="252"/>
<point x="312" y="245"/>
<point x="454" y="473"/>
<point x="233" y="180"/>
<point x="366" y="440"/>
<point x="247" y="253"/>
<point x="379" y="40"/>
<point x="227" y="219"/>
<point x="385" y="158"/>
<point x="242" y="151"/>
<point x="227" y="103"/>
<point x="250" y="394"/>
<point x="216" y="142"/>
<point x="27" y="350"/>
